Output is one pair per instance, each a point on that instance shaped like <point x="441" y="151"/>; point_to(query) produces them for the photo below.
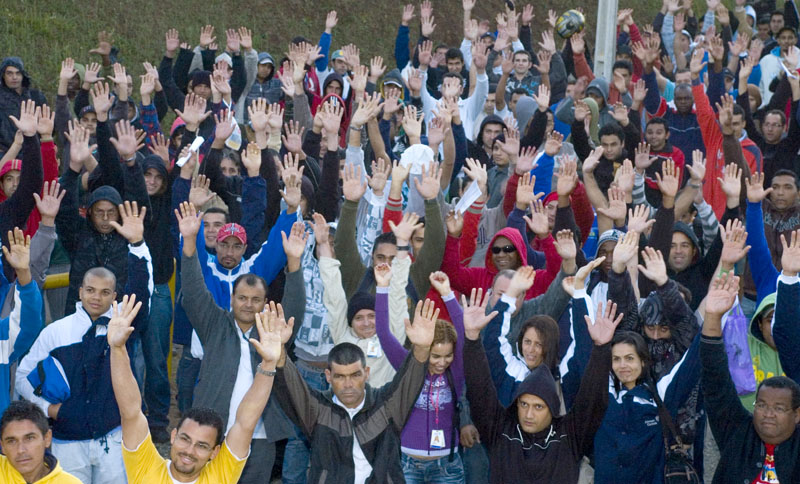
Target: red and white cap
<point x="232" y="230"/>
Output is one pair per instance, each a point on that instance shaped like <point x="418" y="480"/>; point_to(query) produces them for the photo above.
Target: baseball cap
<point x="337" y="54"/>
<point x="232" y="230"/>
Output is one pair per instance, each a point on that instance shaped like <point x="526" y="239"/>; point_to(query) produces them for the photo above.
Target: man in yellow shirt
<point x="24" y="436"/>
<point x="198" y="454"/>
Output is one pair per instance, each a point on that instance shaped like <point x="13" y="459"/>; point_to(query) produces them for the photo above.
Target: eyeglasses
<point x="509" y="249"/>
<point x="764" y="408"/>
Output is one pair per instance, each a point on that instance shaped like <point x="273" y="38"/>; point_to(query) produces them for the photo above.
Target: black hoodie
<point x="554" y="454"/>
<point x="158" y="222"/>
<point x="11" y="100"/>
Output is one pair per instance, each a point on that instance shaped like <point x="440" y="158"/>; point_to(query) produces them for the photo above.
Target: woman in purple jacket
<point x="429" y="440"/>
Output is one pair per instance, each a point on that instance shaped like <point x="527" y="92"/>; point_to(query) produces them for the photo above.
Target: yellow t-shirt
<point x="146" y="466"/>
<point x="9" y="475"/>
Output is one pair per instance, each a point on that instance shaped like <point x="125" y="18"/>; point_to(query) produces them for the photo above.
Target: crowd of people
<point x="478" y="262"/>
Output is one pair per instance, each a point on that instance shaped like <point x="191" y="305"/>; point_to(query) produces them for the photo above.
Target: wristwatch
<point x="265" y="372"/>
<point x="406" y="248"/>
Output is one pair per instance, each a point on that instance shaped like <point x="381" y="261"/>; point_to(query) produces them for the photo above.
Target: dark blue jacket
<point x="79" y="347"/>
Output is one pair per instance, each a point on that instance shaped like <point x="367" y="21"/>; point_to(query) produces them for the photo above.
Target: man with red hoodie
<point x="507" y="250"/>
<point x="712" y="137"/>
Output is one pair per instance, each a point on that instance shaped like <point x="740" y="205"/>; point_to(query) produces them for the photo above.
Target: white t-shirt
<point x="243" y="382"/>
<point x="362" y="465"/>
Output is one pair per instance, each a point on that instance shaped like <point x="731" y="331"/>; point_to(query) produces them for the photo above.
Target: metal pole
<point x="606" y="38"/>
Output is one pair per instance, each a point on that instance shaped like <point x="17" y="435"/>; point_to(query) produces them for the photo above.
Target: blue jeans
<point x="155" y="344"/>
<point x="439" y="471"/>
<point x="188" y="370"/>
<point x="476" y="464"/>
<point x="297" y="453"/>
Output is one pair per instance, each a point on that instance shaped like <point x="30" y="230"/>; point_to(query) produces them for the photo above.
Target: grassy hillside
<point x="43" y="32"/>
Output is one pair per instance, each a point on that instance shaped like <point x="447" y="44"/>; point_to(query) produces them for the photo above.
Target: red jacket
<point x="50" y="168"/>
<point x="464" y="279"/>
<point x="715" y="162"/>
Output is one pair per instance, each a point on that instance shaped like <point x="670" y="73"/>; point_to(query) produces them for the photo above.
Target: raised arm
<point x="785" y="326"/>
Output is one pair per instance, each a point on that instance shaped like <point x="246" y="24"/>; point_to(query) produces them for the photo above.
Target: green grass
<point x="44" y="32"/>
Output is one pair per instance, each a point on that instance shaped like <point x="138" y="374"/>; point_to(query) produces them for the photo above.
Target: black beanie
<point x="107" y="193"/>
<point x="200" y="77"/>
<point x="359" y="301"/>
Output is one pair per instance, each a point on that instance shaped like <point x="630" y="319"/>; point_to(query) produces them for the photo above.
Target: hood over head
<point x="107" y="193"/>
<point x="526" y="108"/>
<point x="765" y="305"/>
<point x="516" y="239"/>
<point x="14" y="62"/>
<point x="601" y="85"/>
<point x="490" y="119"/>
<point x="540" y="383"/>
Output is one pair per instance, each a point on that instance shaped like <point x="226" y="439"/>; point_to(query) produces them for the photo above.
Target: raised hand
<point x="132" y="227"/>
<point x="731" y="181"/>
<point x="251" y="159"/>
<point x="172" y="41"/>
<point x="655" y="268"/>
<point x="605" y="323"/>
<point x="475" y="317"/>
<point x="642" y="158"/>
<point x="477" y="173"/>
<point x="579" y="280"/>
<point x="232" y="41"/>
<point x="295" y="243"/>
<point x="194" y="111"/>
<point x="380" y="175"/>
<point x="790" y="259"/>
<point x="421" y="332"/>
<point x="291" y="168"/>
<point x="273" y="332"/>
<point x="188" y="220"/>
<point x="755" y="188"/>
<point x="45" y="120"/>
<point x="353" y="187"/>
<point x="120" y="326"/>
<point x="79" y="149"/>
<point x="18" y="252"/>
<point x="440" y="282"/>
<point x="207" y="36"/>
<point x="521" y="282"/>
<point x="626" y="177"/>
<point x="50" y="201"/>
<point x="525" y="195"/>
<point x="697" y="170"/>
<point x="28" y="118"/>
<point x="734" y="239"/>
<point x="721" y="294"/>
<point x="257" y="112"/>
<point x="92" y="71"/>
<point x="429" y="187"/>
<point x="553" y="144"/>
<point x="567" y="178"/>
<point x="525" y="161"/>
<point x="538" y="221"/>
<point x="291" y="193"/>
<point x="199" y="193"/>
<point x="128" y="141"/>
<point x="639" y="219"/>
<point x="617" y="208"/>
<point x="565" y="245"/>
<point x="667" y="180"/>
<point x="383" y="274"/>
<point x="455" y="223"/>
<point x="406" y="228"/>
<point x="581" y="111"/>
<point x="625" y="251"/>
<point x="103" y="44"/>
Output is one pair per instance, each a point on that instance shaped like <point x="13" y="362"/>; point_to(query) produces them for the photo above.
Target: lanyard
<point x="430" y="399"/>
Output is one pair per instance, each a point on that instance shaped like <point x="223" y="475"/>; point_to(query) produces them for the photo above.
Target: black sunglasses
<point x="509" y="249"/>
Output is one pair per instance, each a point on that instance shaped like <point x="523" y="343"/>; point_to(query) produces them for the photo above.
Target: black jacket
<point x="158" y="221"/>
<point x="552" y="455"/>
<point x="88" y="248"/>
<point x="11" y="100"/>
<point x="14" y="212"/>
<point x="741" y="449"/>
<point x="330" y="430"/>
